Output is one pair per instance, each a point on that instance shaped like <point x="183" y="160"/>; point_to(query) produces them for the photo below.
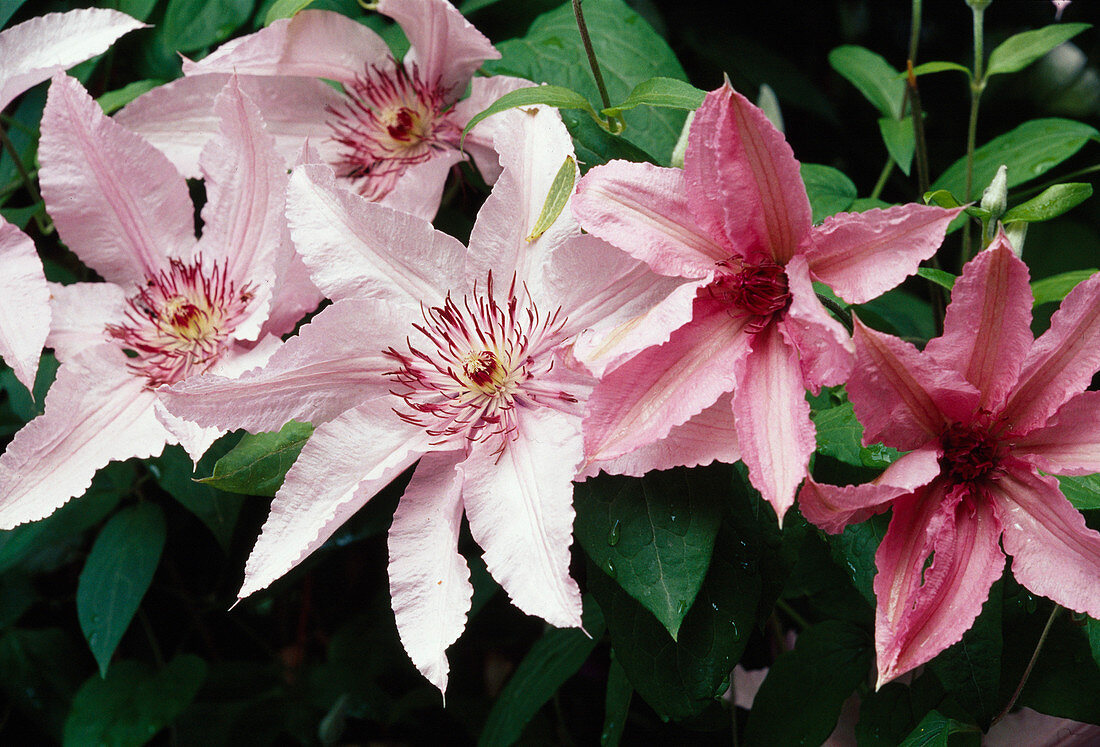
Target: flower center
<point x="758" y="291"/>
<point x="480" y="362"/>
<point x="971" y="453"/>
<point x="389" y="120"/>
<point x="177" y="324"/>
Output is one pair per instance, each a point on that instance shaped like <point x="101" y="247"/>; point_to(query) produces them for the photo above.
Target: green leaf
<point x="139" y="9"/>
<point x="900" y="141"/>
<point x="935" y="730"/>
<point x="941" y="197"/>
<point x="654" y="535"/>
<point x="939" y="277"/>
<point x="7" y="10"/>
<point x="1093" y="628"/>
<point x="258" y="464"/>
<point x="561" y="189"/>
<point x="190" y="25"/>
<point x="42" y="671"/>
<point x="1030" y="150"/>
<point x="1050" y="203"/>
<point x="1082" y="491"/>
<point x="116" y="575"/>
<point x="552" y="660"/>
<point x="830" y="191"/>
<point x="1020" y="50"/>
<point x="1057" y="287"/>
<point x="285" y="9"/>
<point x="133" y="703"/>
<point x="854" y="549"/>
<point x="899" y="312"/>
<point x="970" y="670"/>
<point x="216" y="509"/>
<point x="875" y="78"/>
<point x="616" y="705"/>
<point x="839" y="435"/>
<point x="828" y="662"/>
<point x="556" y="96"/>
<point x="112" y="101"/>
<point x="938" y="67"/>
<point x="630" y="52"/>
<point x="667" y="93"/>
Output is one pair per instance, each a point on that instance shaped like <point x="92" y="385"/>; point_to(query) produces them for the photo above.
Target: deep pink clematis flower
<point x="981" y="411"/>
<point x="392" y="134"/>
<point x="30" y="52"/>
<point x="449" y="356"/>
<point x="171" y="308"/>
<point x="734" y="226"/>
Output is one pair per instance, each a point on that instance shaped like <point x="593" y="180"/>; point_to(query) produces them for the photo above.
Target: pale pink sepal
<point x="420" y="188"/>
<point x="1062" y="362"/>
<point x="194" y="439"/>
<point x="708" y="437"/>
<point x="314" y="43"/>
<point x="825" y="350"/>
<point x="444" y="45"/>
<point x="863" y="255"/>
<point x="316" y="375"/>
<point x="520" y="507"/>
<point x="925" y="605"/>
<point x="833" y="507"/>
<point x="24" y="304"/>
<point x="745" y="180"/>
<point x="773" y="418"/>
<point x="1053" y="552"/>
<point x="429" y="580"/>
<point x="81" y="313"/>
<point x="32" y="51"/>
<point x="344" y="463"/>
<point x="663" y="386"/>
<point x="987" y="331"/>
<point x="479" y="141"/>
<point x="96" y="412"/>
<point x="116" y="200"/>
<point x="1069" y="444"/>
<point x="644" y="210"/>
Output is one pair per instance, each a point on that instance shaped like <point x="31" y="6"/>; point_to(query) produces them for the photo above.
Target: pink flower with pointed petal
<point x="987" y="415"/>
<point x="393" y="132"/>
<point x="734" y="226"/>
<point x="30" y="52"/>
<point x="449" y="356"/>
<point x="172" y="307"/>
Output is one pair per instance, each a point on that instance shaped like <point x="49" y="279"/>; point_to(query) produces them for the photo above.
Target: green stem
<point x="977" y="85"/>
<point x="887" y="169"/>
<point x="914" y="30"/>
<point x="790" y="612"/>
<point x="1030" y="665"/>
<point x="839" y="312"/>
<point x="593" y="62"/>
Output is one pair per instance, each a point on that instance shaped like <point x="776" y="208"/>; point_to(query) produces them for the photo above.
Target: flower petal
<point x="24" y="304"/>
<point x="97" y="411"/>
<point x="479" y="141"/>
<point x="643" y="210"/>
<point x="81" y="313"/>
<point x="418" y="189"/>
<point x="1053" y="553"/>
<point x="314" y="43"/>
<point x="429" y="580"/>
<point x="341" y="467"/>
<point x="444" y="45"/>
<point x="987" y="332"/>
<point x="32" y="51"/>
<point x="1069" y="444"/>
<point x="744" y="179"/>
<point x="316" y="375"/>
<point x="773" y="418"/>
<point x="825" y="351"/>
<point x="665" y="385"/>
<point x="520" y="507"/>
<point x="935" y="566"/>
<point x="116" y="200"/>
<point x="863" y="255"/>
<point x="833" y="507"/>
<point x="1062" y="361"/>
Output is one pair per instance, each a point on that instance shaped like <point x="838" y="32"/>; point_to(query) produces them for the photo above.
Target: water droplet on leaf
<point x="613" y="535"/>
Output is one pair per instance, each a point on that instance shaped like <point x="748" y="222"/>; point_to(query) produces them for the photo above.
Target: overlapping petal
<point x="81" y="313"/>
<point x="1069" y="444"/>
<point x="825" y="351"/>
<point x="24" y="304"/>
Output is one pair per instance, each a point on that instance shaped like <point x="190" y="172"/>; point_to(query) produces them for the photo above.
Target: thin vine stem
<point x="977" y="85"/>
<point x="1030" y="665"/>
<point x="594" y="63"/>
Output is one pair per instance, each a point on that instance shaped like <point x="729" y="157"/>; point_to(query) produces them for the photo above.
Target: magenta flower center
<point x="479" y="363"/>
<point x="971" y="453"/>
<point x="389" y="120"/>
<point x="758" y="291"/>
<point x="178" y="323"/>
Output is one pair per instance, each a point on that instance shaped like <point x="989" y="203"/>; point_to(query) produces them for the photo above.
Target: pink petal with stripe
<point x="24" y="304"/>
<point x="825" y="351"/>
<point x="1069" y="444"/>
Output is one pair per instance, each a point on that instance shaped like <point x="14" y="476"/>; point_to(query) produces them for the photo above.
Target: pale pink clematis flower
<point x="392" y="134"/>
<point x="171" y="308"/>
<point x="981" y="411"/>
<point x="734" y="226"/>
<point x="30" y="52"/>
<point x="449" y="356"/>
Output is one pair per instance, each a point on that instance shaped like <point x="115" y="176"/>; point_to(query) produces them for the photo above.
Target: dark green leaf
<point x="939" y="67"/>
<point x="1050" y="203"/>
<point x="872" y="75"/>
<point x="900" y="141"/>
<point x="654" y="535"/>
<point x="190" y="25"/>
<point x="42" y="670"/>
<point x="284" y="9"/>
<point x="16" y="596"/>
<point x="941" y="197"/>
<point x="561" y="189"/>
<point x="839" y="436"/>
<point x="1018" y="51"/>
<point x="112" y="101"/>
<point x="1093" y="628"/>
<point x="116" y="575"/>
<point x="552" y="660"/>
<point x="258" y="464"/>
<point x="1056" y="287"/>
<point x="616" y="706"/>
<point x="1082" y="491"/>
<point x="889" y="714"/>
<point x="854" y="549"/>
<point x="216" y="509"/>
<point x="939" y="277"/>
<point x="139" y="9"/>
<point x="1029" y="151"/>
<point x="19" y="398"/>
<point x="828" y="662"/>
<point x="133" y="702"/>
<point x="935" y="729"/>
<point x="556" y="96"/>
<point x="899" y="312"/>
<point x="829" y="190"/>
<point x="7" y="10"/>
<point x="667" y="93"/>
